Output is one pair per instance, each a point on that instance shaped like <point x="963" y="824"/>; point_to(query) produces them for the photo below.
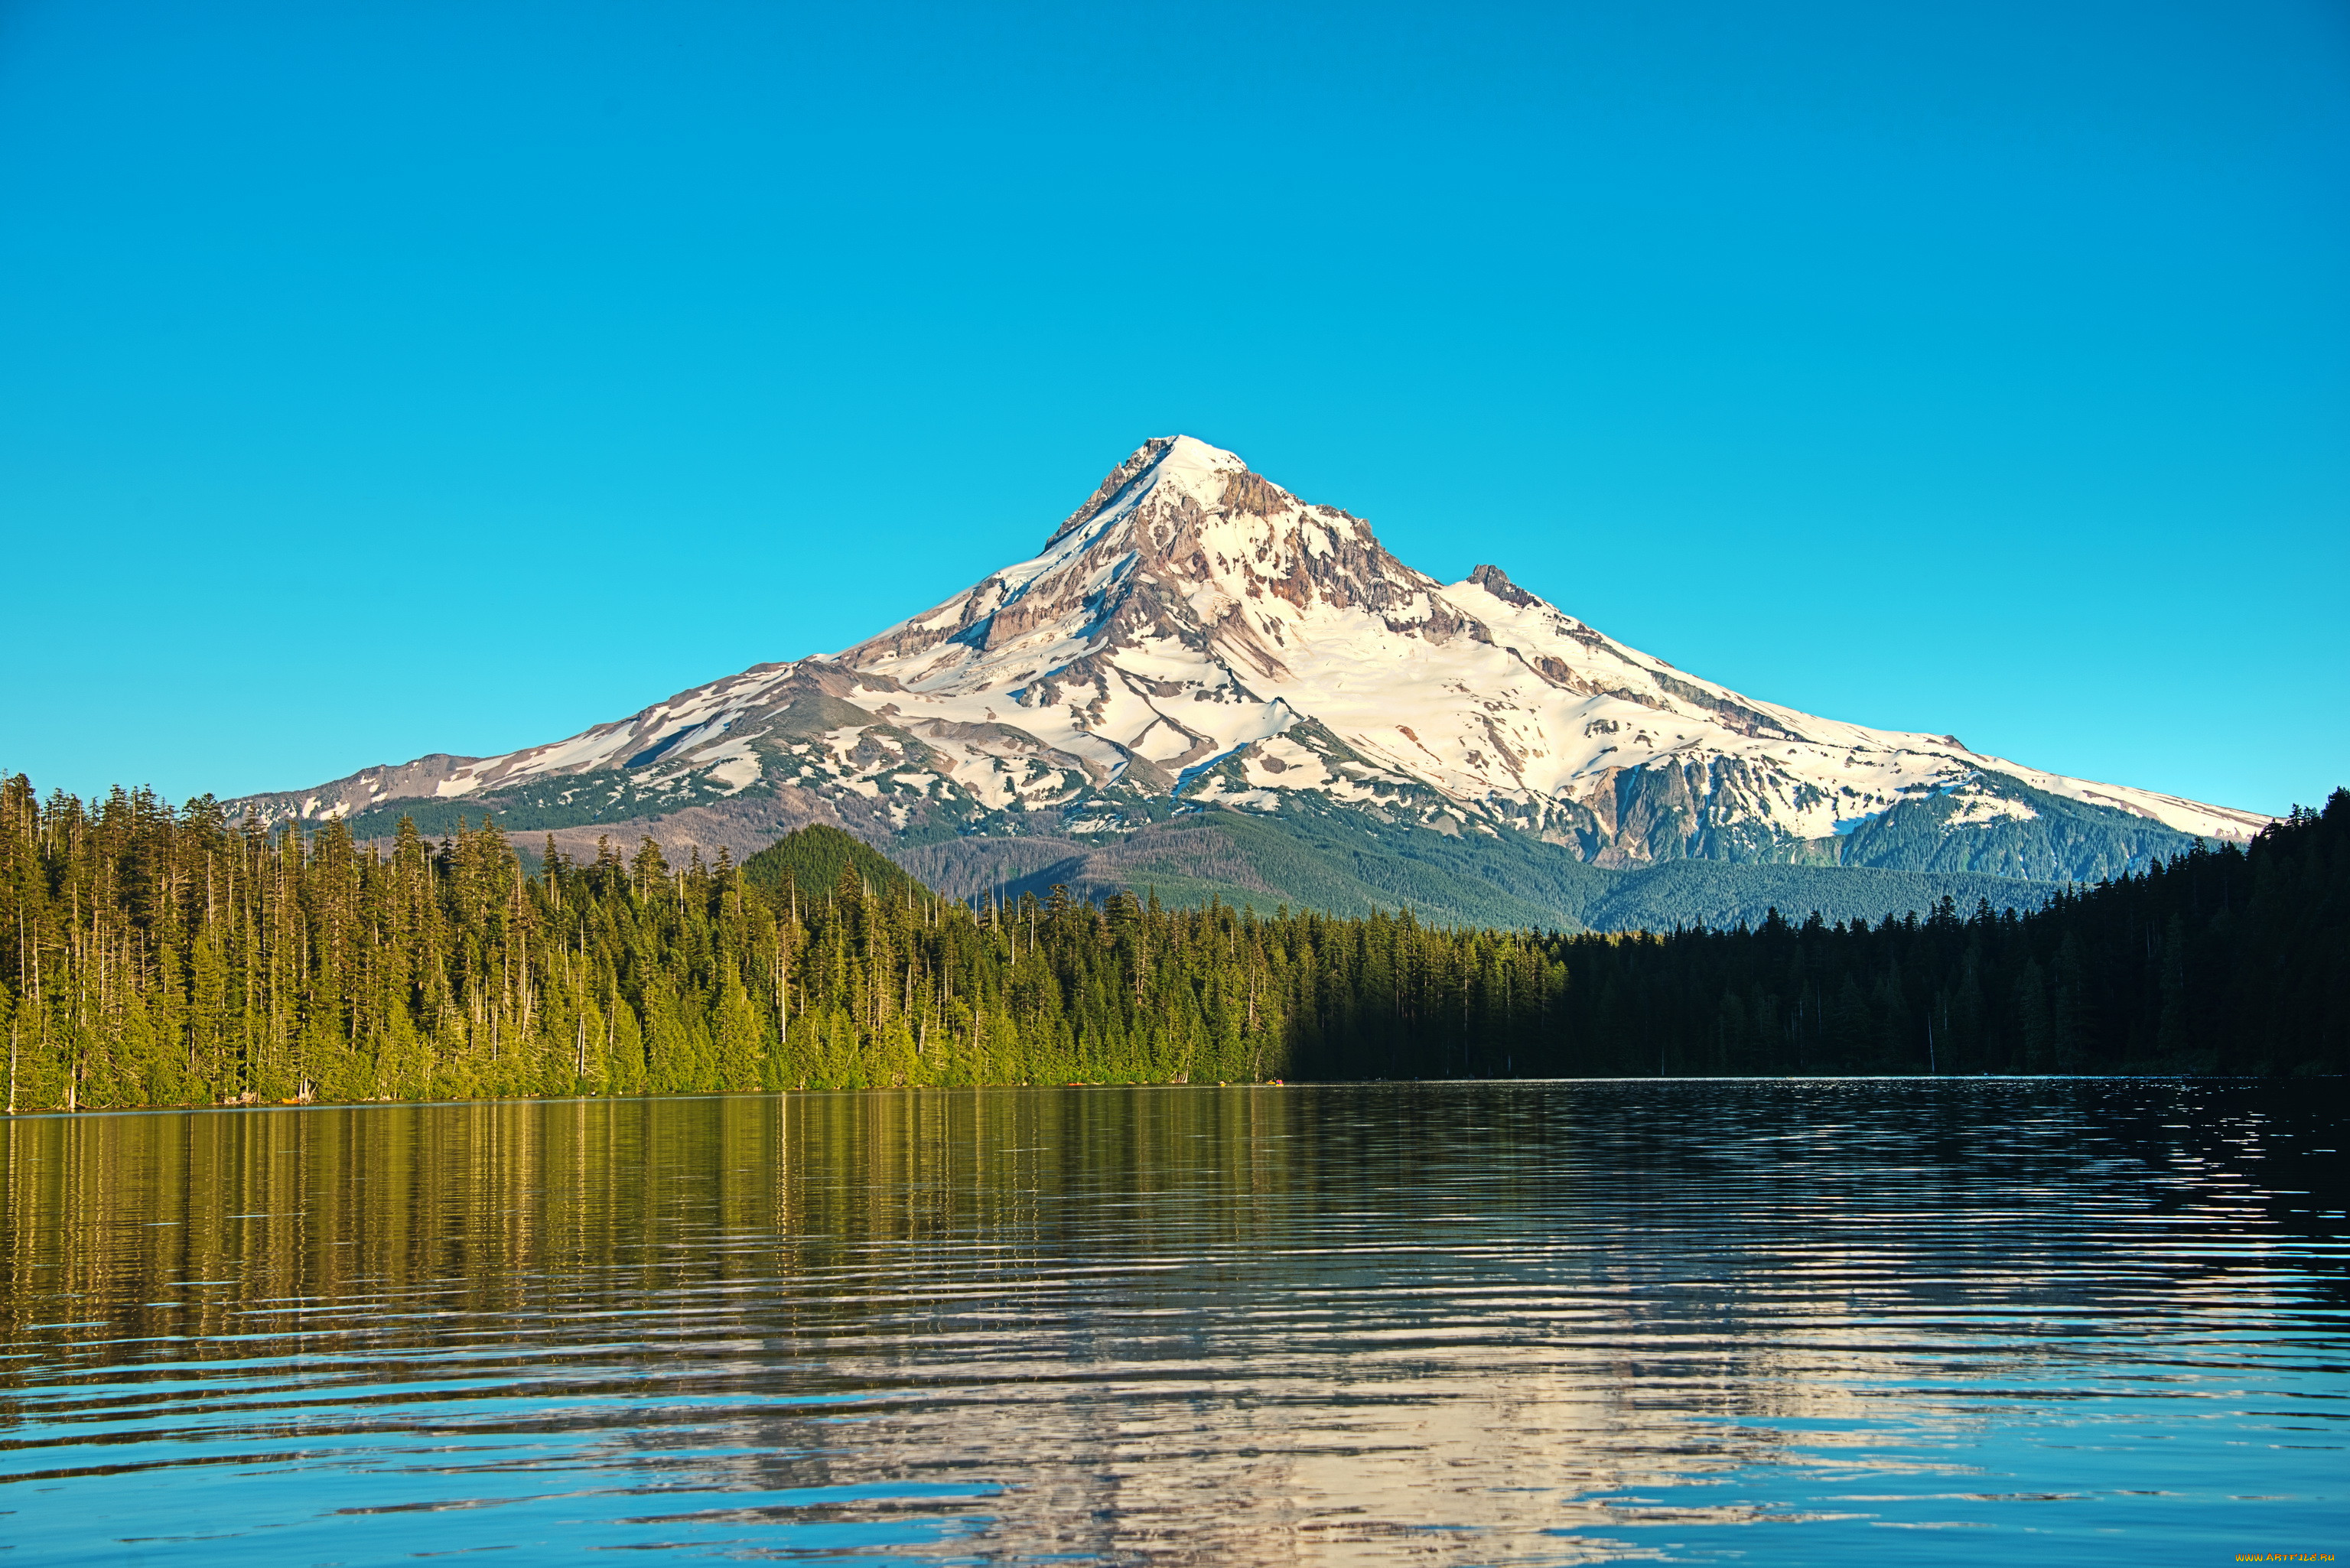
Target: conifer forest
<point x="160" y="956"/>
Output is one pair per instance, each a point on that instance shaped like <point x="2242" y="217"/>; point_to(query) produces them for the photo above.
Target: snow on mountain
<point x="1194" y="636"/>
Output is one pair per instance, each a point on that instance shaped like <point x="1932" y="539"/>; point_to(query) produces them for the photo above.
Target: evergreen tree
<point x="153" y="955"/>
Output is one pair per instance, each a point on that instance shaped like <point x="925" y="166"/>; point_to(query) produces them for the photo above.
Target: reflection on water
<point x="1512" y="1323"/>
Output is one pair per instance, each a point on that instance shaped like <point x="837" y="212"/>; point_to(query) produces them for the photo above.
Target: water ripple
<point x="1436" y="1324"/>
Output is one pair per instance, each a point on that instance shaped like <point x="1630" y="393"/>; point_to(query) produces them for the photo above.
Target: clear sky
<point x="378" y="379"/>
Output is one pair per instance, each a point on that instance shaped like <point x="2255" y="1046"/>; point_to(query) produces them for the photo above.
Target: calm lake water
<point x="1815" y="1322"/>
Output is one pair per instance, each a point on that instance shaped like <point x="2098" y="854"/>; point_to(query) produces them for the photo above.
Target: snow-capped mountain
<point x="1194" y="636"/>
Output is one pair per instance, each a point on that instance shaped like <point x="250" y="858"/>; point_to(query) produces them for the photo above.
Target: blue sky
<point x="378" y="379"/>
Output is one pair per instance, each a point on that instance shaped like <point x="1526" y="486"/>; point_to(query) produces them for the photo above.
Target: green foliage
<point x="162" y="957"/>
<point x="1351" y="863"/>
<point x="1467" y="879"/>
<point x="813" y="859"/>
<point x="1720" y="894"/>
<point x="2055" y="839"/>
<point x="153" y="955"/>
<point x="1346" y="865"/>
<point x="2214" y="960"/>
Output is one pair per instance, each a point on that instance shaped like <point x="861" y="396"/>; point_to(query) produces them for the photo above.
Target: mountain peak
<point x="1191" y="464"/>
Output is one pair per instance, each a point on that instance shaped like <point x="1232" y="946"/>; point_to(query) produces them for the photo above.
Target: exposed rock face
<point x="1195" y="636"/>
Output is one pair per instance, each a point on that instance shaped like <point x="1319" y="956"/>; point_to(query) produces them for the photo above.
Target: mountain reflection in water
<point x="1431" y="1323"/>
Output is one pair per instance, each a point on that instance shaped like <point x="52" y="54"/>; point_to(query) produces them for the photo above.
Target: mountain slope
<point x="1196" y="638"/>
<point x="1506" y="879"/>
<point x="810" y="862"/>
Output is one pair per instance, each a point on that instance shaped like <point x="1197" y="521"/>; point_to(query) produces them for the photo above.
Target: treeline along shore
<point x="160" y="956"/>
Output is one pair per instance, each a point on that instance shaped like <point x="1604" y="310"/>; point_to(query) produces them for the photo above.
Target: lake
<point x="1781" y="1320"/>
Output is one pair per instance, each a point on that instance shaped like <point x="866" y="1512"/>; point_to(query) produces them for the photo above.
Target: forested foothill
<point x="153" y="955"/>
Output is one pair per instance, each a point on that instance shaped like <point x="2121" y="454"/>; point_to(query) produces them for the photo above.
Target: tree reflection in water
<point x="1472" y="1322"/>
